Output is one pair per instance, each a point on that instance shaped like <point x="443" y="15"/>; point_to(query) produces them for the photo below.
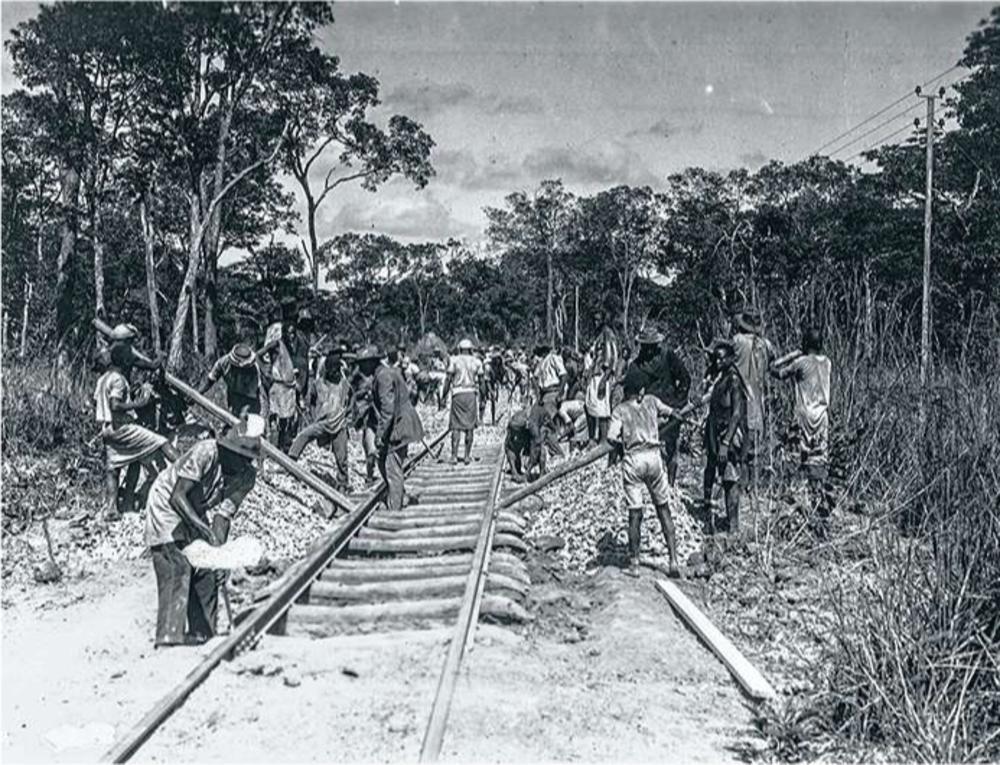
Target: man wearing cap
<point x="127" y="444"/>
<point x="329" y="398"/>
<point x="213" y="475"/>
<point x="464" y="374"/>
<point x="245" y="392"/>
<point x="754" y="354"/>
<point x="397" y="422"/>
<point x="667" y="379"/>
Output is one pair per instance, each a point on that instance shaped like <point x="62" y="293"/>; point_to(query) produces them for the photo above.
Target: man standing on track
<point x="666" y="378"/>
<point x="465" y="371"/>
<point x="397" y="423"/>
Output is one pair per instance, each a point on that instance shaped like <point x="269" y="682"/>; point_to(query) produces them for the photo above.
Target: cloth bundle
<point x="240" y="552"/>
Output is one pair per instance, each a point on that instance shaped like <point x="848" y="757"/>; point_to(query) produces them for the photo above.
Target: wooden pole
<point x="576" y="318"/>
<point x="925" y="311"/>
<point x="750" y="680"/>
<point x="269" y="450"/>
<point x="29" y="288"/>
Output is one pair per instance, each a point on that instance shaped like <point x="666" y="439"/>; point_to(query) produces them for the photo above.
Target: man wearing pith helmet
<point x="465" y="370"/>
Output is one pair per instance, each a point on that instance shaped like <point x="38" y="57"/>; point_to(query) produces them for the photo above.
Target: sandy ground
<point x="606" y="673"/>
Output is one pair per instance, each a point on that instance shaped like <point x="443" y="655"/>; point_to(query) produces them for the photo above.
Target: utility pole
<point x="925" y="311"/>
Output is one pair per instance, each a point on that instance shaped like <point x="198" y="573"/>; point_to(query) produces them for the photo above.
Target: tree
<point x="622" y="229"/>
<point x="331" y="142"/>
<point x="535" y="226"/>
<point x="211" y="107"/>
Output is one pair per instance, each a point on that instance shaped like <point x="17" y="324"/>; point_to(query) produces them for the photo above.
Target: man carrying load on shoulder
<point x="127" y="444"/>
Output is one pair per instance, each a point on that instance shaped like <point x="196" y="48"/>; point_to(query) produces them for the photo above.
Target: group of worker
<point x="639" y="404"/>
<point x="299" y="390"/>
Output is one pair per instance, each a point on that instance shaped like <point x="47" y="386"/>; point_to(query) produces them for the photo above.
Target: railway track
<point x="450" y="559"/>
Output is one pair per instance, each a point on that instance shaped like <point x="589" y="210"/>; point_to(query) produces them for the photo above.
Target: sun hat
<point x="465" y="344"/>
<point x="369" y="352"/>
<point x="241" y="355"/>
<point x="748" y="320"/>
<point x="649" y="336"/>
<point x="244" y="437"/>
<point x="124" y="332"/>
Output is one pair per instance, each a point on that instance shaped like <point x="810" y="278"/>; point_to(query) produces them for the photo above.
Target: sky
<point x="601" y="94"/>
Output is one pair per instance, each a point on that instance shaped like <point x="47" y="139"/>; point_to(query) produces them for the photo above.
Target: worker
<point x="363" y="415"/>
<point x="245" y="393"/>
<point x="397" y="424"/>
<point x="126" y="443"/>
<point x="526" y="433"/>
<point x="549" y="374"/>
<point x="465" y="370"/>
<point x="330" y="394"/>
<point x="634" y="431"/>
<point x="213" y="475"/>
<point x="754" y="354"/>
<point x="810" y="369"/>
<point x="280" y="374"/>
<point x="597" y="400"/>
<point x="725" y="438"/>
<point x="667" y="379"/>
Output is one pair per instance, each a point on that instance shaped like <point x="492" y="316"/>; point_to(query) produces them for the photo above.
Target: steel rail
<point x="468" y="616"/>
<point x="259" y="620"/>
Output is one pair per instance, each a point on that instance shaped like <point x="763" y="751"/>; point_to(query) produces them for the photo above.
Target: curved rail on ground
<point x="260" y="619"/>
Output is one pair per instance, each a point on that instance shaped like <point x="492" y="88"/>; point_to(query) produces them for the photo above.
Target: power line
<point x="879" y="142"/>
<point x="883" y="110"/>
<point x="875" y="129"/>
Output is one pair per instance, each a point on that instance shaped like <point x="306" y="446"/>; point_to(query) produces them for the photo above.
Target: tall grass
<point x="913" y="663"/>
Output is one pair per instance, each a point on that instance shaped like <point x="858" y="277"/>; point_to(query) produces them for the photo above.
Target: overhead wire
<point x="879" y="142"/>
<point x="882" y="111"/>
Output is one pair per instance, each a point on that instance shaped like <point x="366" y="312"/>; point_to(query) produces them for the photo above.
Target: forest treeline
<point x="146" y="140"/>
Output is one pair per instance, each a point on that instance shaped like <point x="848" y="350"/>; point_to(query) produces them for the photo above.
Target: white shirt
<point x="550" y="370"/>
<point x="466" y="371"/>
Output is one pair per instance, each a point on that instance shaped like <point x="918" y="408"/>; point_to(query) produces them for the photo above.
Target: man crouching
<point x="213" y="475"/>
<point x="635" y="434"/>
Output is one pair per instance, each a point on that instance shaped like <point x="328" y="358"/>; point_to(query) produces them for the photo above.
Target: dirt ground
<point x="605" y="673"/>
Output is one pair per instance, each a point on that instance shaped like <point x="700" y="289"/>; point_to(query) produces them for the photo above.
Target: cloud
<point x="662" y="128"/>
<point x="418" y="215"/>
<point x="611" y="163"/>
<point x="754" y="159"/>
<point x="462" y="169"/>
<point x="426" y="98"/>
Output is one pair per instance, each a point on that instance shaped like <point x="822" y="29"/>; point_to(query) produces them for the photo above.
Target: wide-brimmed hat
<point x="241" y="355"/>
<point x="650" y="336"/>
<point x="542" y="348"/>
<point x="369" y="352"/>
<point x="244" y="437"/>
<point x="465" y="344"/>
<point x="748" y="320"/>
<point x="124" y="332"/>
<point x="305" y="315"/>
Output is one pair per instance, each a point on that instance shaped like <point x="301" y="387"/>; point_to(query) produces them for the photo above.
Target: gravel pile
<point x="587" y="510"/>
